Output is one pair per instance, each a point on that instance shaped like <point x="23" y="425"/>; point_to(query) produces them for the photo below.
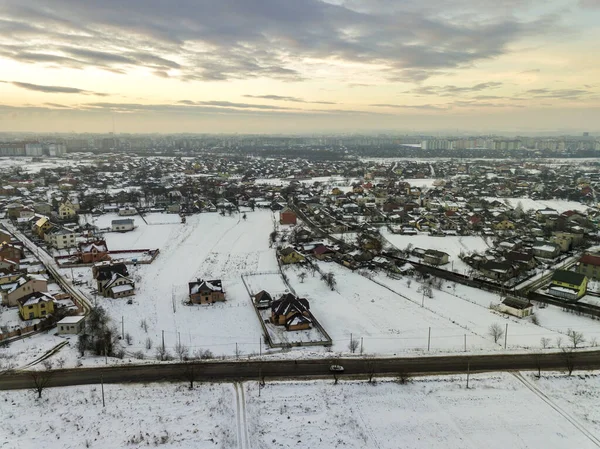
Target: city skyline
<point x="296" y="67"/>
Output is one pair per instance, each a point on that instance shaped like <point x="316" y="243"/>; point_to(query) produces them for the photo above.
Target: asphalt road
<point x="282" y="369"/>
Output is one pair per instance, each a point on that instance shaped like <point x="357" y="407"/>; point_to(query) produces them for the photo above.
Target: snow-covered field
<point x="559" y="205"/>
<point x="496" y="411"/>
<point x="208" y="246"/>
<point x="453" y="245"/>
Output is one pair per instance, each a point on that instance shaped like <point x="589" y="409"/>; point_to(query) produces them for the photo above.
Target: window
<point x="43" y="312"/>
<point x="42" y="305"/>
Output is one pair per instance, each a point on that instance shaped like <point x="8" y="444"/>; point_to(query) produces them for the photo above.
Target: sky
<point x="299" y="66"/>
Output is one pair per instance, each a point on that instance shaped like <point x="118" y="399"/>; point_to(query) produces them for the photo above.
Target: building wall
<point x="591" y="271"/>
<point x="39" y="310"/>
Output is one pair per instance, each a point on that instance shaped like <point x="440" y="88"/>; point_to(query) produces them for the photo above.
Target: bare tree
<point x="427" y="291"/>
<point x="41" y="380"/>
<point x="329" y="279"/>
<point x="535" y="320"/>
<point x="371" y="371"/>
<point x="408" y="282"/>
<point x="559" y="341"/>
<point x="496" y="332"/>
<point x="182" y="351"/>
<point x="537" y="358"/>
<point x="302" y="277"/>
<point x="148" y="343"/>
<point x="353" y="345"/>
<point x="190" y="374"/>
<point x="545" y="341"/>
<point x="128" y="338"/>
<point x="569" y="359"/>
<point x="575" y="337"/>
<point x="60" y="362"/>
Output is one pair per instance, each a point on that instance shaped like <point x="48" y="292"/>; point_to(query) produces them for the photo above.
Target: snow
<point x="453" y="245"/>
<point x="208" y="246"/>
<point x="496" y="411"/>
<point x="559" y="205"/>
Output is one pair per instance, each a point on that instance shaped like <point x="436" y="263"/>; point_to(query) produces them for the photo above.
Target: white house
<point x="122" y="225"/>
<point x="71" y="325"/>
<point x="127" y="211"/>
<point x="518" y="307"/>
<point x="61" y="238"/>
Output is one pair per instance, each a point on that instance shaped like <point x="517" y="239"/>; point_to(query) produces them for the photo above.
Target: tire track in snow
<point x="242" y="428"/>
<point x="570" y="418"/>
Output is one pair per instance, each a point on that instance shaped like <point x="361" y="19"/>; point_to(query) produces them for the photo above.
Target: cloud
<point x="451" y="90"/>
<point x="212" y="107"/>
<point x="286" y="98"/>
<point x="53" y="89"/>
<point x="525" y="72"/>
<point x="590" y="4"/>
<point x="243" y="39"/>
<point x="570" y="94"/>
<point x="431" y="107"/>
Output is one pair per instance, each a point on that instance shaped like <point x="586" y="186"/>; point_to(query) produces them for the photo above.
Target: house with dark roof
<point x="262" y="300"/>
<point x="515" y="306"/>
<point x="206" y="292"/>
<point x="568" y="285"/>
<point x="112" y="279"/>
<point x="122" y="225"/>
<point x="498" y="271"/>
<point x="291" y="312"/>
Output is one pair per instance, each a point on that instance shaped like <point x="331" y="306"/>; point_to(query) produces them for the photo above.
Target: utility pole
<point x="122" y="327"/>
<point x="102" y="384"/>
<point x="429" y="339"/>
<point x="260" y="347"/>
<point x="468" y="373"/>
<point x="179" y="338"/>
<point x="361" y="345"/>
<point x="423" y="299"/>
<point x="351" y="341"/>
<point x="163" y="341"/>
<point x="505" y="335"/>
<point x="236" y="351"/>
<point x="465" y="342"/>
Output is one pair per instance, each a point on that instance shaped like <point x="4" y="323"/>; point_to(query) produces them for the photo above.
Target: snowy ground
<point x="453" y="245"/>
<point x="398" y="319"/>
<point x="497" y="411"/>
<point x="208" y="246"/>
<point x="559" y="205"/>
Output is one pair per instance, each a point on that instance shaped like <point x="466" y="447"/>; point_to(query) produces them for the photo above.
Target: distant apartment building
<point x="12" y="149"/>
<point x="437" y="144"/>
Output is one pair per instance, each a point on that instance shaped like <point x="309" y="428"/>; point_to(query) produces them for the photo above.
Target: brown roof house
<point x="92" y="252"/>
<point x="287" y="217"/>
<point x="206" y="292"/>
<point x="291" y="312"/>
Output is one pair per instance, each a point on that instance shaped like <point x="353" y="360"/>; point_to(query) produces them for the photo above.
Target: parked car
<point x="336" y="369"/>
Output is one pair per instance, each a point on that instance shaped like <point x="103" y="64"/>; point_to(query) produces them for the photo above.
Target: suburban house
<point x="322" y="252"/>
<point x="5" y="236"/>
<point x="71" y="325"/>
<point x="42" y="226"/>
<point x="589" y="265"/>
<point x="291" y="312"/>
<point x="290" y="256"/>
<point x="545" y="250"/>
<point x="514" y="306"/>
<point x="13" y="291"/>
<point x="36" y="305"/>
<point x="206" y="292"/>
<point x="122" y="225"/>
<point x="435" y="257"/>
<point x="262" y="300"/>
<point x="61" y="238"/>
<point x="568" y="285"/>
<point x="92" y="252"/>
<point x="67" y="210"/>
<point x="498" y="271"/>
<point x="112" y="279"/>
<point x="8" y="266"/>
<point x="11" y="252"/>
<point x="127" y="211"/>
<point x="287" y="217"/>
